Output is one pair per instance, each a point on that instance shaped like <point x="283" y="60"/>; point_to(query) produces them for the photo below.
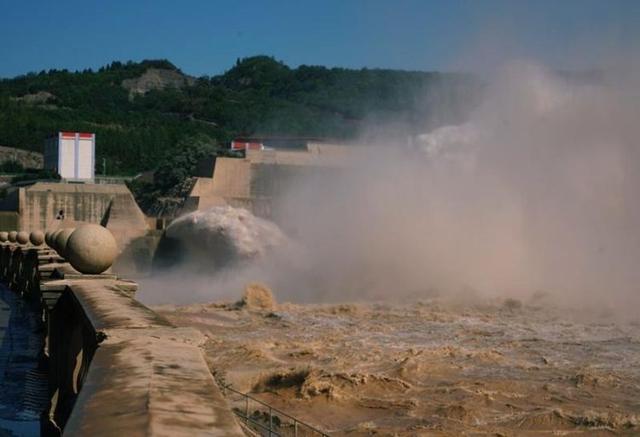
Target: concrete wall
<point x="115" y="367"/>
<point x="259" y="179"/>
<point x="36" y="206"/>
<point x="41" y="202"/>
<point x="9" y="220"/>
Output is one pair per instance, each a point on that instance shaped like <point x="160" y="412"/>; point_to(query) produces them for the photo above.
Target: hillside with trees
<point x="144" y="112"/>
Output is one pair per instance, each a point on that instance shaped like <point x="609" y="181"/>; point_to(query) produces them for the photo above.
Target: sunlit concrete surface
<point x="23" y="387"/>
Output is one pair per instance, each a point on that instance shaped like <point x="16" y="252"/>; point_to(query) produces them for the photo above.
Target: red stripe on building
<point x="68" y="135"/>
<point x="243" y="145"/>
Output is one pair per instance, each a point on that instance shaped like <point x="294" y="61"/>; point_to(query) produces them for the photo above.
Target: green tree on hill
<point x="258" y="95"/>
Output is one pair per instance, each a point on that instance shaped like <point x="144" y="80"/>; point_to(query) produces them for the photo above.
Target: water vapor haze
<point x="535" y="193"/>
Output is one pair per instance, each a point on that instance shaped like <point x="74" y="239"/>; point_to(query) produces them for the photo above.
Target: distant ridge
<point x="141" y="110"/>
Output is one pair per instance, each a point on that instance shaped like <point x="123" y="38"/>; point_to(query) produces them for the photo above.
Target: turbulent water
<point x="221" y="244"/>
<point x="523" y="221"/>
<point x="23" y="393"/>
<point x="432" y="367"/>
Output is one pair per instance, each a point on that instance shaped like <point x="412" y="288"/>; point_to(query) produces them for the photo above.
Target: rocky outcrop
<point x="156" y="79"/>
<point x="26" y="158"/>
<point x="39" y="98"/>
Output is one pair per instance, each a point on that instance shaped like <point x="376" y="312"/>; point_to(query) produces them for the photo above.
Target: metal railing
<point x="264" y="419"/>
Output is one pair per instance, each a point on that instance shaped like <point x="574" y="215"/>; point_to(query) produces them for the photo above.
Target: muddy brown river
<point x="431" y="367"/>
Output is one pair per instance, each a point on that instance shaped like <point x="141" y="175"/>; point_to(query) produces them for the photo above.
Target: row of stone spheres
<point x="89" y="248"/>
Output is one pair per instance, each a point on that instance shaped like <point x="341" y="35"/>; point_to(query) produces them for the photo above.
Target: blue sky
<point x="206" y="37"/>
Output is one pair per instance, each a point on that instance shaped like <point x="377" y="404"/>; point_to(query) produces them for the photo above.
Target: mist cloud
<point x="536" y="192"/>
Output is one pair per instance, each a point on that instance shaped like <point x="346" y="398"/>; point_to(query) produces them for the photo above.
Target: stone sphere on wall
<point x="47" y="237"/>
<point x="22" y="237"/>
<point x="36" y="238"/>
<point x="4" y="237"/>
<point x="91" y="249"/>
<point x="52" y="238"/>
<point x="61" y="239"/>
<point x="12" y="236"/>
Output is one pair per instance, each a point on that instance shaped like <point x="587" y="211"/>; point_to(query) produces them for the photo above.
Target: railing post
<point x="258" y="422"/>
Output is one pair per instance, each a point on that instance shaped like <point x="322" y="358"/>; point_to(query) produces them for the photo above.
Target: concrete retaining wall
<point x="37" y="206"/>
<point x="116" y="368"/>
